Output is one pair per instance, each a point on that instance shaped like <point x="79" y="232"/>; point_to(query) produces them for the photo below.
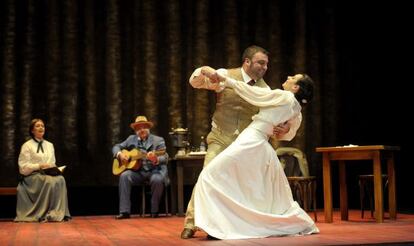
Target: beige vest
<point x="232" y="113"/>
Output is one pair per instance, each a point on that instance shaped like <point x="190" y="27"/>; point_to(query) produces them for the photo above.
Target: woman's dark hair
<point x="32" y="124"/>
<point x="305" y="93"/>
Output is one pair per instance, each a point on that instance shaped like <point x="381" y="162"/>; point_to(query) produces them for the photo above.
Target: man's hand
<point x="281" y="129"/>
<point x="212" y="74"/>
<point x="123" y="157"/>
<point x="207" y="71"/>
<point x="152" y="157"/>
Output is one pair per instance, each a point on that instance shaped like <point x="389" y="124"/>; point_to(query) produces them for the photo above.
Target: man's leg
<point x="126" y="180"/>
<point x="217" y="142"/>
<point x="213" y="150"/>
<point x="157" y="188"/>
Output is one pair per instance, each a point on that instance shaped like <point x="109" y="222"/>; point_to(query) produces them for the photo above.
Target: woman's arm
<point x="52" y="157"/>
<point x="257" y="96"/>
<point x="25" y="165"/>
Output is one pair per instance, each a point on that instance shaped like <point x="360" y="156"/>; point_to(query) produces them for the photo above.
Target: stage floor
<point x="105" y="230"/>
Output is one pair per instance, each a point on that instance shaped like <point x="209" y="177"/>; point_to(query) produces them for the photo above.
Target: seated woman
<point x="244" y="192"/>
<point x="40" y="197"/>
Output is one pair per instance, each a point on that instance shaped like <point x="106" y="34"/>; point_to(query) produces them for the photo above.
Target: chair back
<point x="293" y="161"/>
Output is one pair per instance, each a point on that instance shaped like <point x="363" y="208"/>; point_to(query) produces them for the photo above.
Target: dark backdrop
<point x="89" y="67"/>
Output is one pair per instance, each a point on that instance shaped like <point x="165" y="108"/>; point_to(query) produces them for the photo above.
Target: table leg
<point x="180" y="188"/>
<point x="392" y="204"/>
<point x="343" y="191"/>
<point x="173" y="186"/>
<point x="327" y="188"/>
<point x="378" y="196"/>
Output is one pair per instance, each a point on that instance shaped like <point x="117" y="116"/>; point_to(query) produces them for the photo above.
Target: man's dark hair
<point x="251" y="50"/>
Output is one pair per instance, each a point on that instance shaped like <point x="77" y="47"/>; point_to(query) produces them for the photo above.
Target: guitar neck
<point x="142" y="155"/>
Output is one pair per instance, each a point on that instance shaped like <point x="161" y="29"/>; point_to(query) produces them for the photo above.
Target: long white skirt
<point x="244" y="193"/>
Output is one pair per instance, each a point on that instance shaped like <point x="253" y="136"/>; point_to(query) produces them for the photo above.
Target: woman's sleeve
<point x="52" y="159"/>
<point x="199" y="81"/>
<point x="25" y="165"/>
<point x="260" y="97"/>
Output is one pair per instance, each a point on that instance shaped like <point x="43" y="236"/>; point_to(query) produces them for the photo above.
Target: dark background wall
<point x="89" y="67"/>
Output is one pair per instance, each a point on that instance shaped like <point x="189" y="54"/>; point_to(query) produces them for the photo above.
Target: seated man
<point x="153" y="168"/>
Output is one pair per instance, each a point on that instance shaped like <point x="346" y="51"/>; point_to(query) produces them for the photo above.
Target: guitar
<point x="133" y="162"/>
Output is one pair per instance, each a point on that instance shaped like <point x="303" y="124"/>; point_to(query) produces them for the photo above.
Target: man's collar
<point x="246" y="78"/>
<point x="148" y="137"/>
<point x="143" y="139"/>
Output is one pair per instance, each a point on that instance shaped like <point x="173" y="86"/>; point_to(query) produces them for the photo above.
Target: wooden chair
<point x="366" y="189"/>
<point x="145" y="189"/>
<point x="296" y="169"/>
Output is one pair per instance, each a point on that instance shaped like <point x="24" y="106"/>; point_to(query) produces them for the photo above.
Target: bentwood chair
<point x="296" y="169"/>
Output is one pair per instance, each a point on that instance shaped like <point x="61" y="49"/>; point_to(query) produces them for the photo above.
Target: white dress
<point x="244" y="192"/>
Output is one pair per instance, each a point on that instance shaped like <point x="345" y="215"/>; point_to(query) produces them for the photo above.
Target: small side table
<point x="181" y="162"/>
<point x="346" y="153"/>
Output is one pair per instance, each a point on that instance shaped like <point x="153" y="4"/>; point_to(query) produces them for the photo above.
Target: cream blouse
<point x="30" y="159"/>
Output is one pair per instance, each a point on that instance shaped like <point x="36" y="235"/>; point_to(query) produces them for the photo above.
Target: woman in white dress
<point x="244" y="192"/>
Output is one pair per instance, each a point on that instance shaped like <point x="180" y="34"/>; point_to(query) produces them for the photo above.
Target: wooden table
<point x="181" y="162"/>
<point x="345" y="153"/>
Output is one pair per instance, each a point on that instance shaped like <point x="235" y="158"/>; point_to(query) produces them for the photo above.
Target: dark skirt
<point x="42" y="198"/>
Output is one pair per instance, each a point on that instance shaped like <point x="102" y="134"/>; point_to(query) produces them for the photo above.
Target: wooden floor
<point x="105" y="230"/>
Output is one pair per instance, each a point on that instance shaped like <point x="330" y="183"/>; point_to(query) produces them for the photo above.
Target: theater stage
<point x="105" y="230"/>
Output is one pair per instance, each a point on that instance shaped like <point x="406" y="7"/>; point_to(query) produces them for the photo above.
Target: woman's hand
<point x="44" y="165"/>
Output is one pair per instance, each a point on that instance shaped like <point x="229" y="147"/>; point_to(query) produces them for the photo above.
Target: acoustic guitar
<point x="134" y="160"/>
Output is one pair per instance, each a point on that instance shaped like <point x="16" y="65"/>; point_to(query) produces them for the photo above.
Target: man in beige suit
<point x="232" y="114"/>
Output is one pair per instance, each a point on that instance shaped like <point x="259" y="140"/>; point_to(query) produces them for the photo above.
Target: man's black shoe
<point x="123" y="216"/>
<point x="154" y="215"/>
<point x="187" y="233"/>
<point x="209" y="237"/>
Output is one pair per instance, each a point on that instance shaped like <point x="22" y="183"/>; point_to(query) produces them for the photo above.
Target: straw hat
<point x="141" y="120"/>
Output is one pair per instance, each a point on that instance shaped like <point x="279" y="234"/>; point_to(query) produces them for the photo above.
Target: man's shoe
<point x="187" y="233"/>
<point x="123" y="216"/>
<point x="209" y="237"/>
<point x="154" y="215"/>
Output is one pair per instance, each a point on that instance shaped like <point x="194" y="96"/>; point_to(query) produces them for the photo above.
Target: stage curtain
<point x="88" y="68"/>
